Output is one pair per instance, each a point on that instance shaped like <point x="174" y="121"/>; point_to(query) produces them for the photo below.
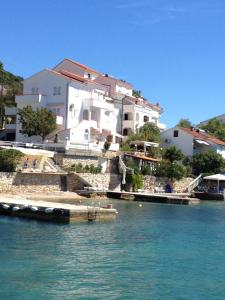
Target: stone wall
<point x="69" y="160"/>
<point x="151" y="182"/>
<point x="29" y="182"/>
<point x="42" y="182"/>
<point x="102" y="181"/>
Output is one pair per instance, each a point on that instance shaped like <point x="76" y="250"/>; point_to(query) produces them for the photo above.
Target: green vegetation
<point x="79" y="168"/>
<point x="137" y="181"/>
<point x="36" y="122"/>
<point x="136" y="93"/>
<point x="171" y="166"/>
<point x="10" y="85"/>
<point x="9" y="158"/>
<point x="208" y="162"/>
<point x="172" y="154"/>
<point x="149" y="132"/>
<point x="108" y="142"/>
<point x="184" y="123"/>
<point x="216" y="128"/>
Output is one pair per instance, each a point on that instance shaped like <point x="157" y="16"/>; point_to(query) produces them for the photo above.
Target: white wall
<point x="184" y="141"/>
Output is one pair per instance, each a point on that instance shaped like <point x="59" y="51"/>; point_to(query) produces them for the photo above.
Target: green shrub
<point x="79" y="168"/>
<point x="146" y="170"/>
<point x="137" y="181"/>
<point x="87" y="169"/>
<point x="107" y="145"/>
<point x="9" y="158"/>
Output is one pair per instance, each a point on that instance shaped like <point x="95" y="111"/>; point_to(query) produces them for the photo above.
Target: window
<point x="89" y="75"/>
<point x="125" y="131"/>
<point x="34" y="91"/>
<point x="126" y="117"/>
<point x="85" y="114"/>
<point x="146" y="118"/>
<point x="175" y="133"/>
<point x="56" y="90"/>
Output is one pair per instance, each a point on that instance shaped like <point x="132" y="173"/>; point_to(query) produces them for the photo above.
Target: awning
<point x="144" y="143"/>
<point x="202" y="142"/>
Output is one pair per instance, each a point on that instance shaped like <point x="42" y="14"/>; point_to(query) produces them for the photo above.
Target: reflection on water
<point x="150" y="252"/>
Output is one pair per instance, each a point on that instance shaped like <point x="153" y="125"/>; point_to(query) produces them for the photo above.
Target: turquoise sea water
<point x="150" y="252"/>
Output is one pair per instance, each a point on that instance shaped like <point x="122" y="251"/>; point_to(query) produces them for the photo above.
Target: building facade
<point x="89" y="106"/>
<point x="191" y="141"/>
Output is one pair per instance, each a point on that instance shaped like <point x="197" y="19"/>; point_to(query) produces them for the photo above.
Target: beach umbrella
<point x="217" y="177"/>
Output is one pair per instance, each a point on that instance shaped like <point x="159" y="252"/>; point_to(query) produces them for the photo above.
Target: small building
<point x="191" y="141"/>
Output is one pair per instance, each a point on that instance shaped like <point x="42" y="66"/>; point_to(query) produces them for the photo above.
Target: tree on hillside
<point x="208" y="162"/>
<point x="173" y="171"/>
<point x="136" y="93"/>
<point x="216" y="128"/>
<point x="36" y="122"/>
<point x="184" y="123"/>
<point x="169" y="166"/>
<point x="172" y="154"/>
<point x="10" y="85"/>
<point x="148" y="132"/>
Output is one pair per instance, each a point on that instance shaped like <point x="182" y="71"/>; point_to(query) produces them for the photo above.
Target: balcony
<point x="10" y="126"/>
<point x="92" y="102"/>
<point x="128" y="124"/>
<point x="31" y="99"/>
<point x="10" y="111"/>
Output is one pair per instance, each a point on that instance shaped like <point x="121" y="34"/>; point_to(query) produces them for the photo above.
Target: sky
<point x="173" y="51"/>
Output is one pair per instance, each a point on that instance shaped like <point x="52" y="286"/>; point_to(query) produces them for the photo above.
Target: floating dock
<point x="55" y="212"/>
<point x="170" y="198"/>
<point x="210" y="196"/>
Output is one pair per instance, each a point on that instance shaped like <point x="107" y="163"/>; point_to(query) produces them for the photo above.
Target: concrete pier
<point x="55" y="212"/>
<point x="170" y="198"/>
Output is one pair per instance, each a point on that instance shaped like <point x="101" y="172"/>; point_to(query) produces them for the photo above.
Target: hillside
<point x="10" y="85"/>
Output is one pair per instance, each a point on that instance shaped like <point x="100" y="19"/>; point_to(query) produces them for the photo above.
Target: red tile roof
<point x="72" y="76"/>
<point x="141" y="156"/>
<point x="203" y="136"/>
<point x="86" y="68"/>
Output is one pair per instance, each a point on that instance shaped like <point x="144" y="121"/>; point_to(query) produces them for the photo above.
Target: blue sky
<point x="173" y="51"/>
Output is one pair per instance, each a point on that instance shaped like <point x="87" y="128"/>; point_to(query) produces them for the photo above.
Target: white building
<point x="137" y="112"/>
<point x="134" y="112"/>
<point x="84" y="111"/>
<point x="89" y="106"/>
<point x="191" y="141"/>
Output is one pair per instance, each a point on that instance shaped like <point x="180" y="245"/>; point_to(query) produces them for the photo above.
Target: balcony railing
<point x="10" y="111"/>
<point x="31" y="98"/>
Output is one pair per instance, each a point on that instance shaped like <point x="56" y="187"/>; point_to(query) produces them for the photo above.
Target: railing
<point x="194" y="183"/>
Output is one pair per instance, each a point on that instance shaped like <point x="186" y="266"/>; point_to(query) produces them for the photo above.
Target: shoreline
<point x="50" y="196"/>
